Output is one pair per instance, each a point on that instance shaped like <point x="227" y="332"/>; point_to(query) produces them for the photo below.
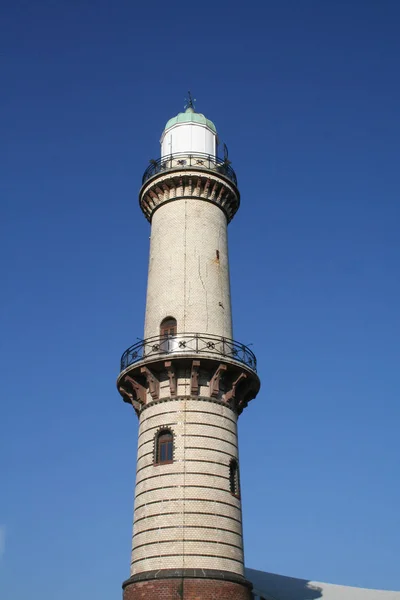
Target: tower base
<point x="187" y="584"/>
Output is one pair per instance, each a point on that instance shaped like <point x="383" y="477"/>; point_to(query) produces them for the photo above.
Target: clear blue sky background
<point x="306" y="94"/>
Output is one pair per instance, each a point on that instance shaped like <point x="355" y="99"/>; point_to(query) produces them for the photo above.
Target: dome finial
<point x="189" y="106"/>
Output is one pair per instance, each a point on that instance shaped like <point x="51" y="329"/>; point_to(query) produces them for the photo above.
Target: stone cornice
<point x="189" y="185"/>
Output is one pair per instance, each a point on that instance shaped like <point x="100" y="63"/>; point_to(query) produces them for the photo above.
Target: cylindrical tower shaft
<point x="188" y="380"/>
<point x="189" y="269"/>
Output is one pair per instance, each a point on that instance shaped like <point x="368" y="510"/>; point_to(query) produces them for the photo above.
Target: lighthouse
<point x="188" y="379"/>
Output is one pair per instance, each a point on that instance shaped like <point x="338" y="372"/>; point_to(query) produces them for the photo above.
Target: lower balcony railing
<point x="190" y="343"/>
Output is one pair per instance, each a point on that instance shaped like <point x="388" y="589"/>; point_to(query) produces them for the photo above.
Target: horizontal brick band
<point x="193" y="435"/>
<point x="184" y="513"/>
<point x="203" y="448"/>
<point x="187" y="411"/>
<point x="215" y="574"/>
<point x="216" y="556"/>
<point x="184" y="474"/>
<point x="185" y="526"/>
<point x="235" y="506"/>
<point x="187" y="487"/>
<point x="187" y="460"/>
<point x="199" y="398"/>
<point x="173" y="541"/>
<point x="173" y="423"/>
<point x="211" y="450"/>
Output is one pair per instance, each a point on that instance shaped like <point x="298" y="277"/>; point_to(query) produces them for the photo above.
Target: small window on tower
<point x="164" y="447"/>
<point x="234" y="478"/>
<point x="168" y="327"/>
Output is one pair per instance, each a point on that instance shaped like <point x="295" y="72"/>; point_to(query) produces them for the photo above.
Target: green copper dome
<point x="189" y="116"/>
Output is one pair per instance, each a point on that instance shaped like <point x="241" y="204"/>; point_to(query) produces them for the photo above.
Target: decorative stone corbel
<point x="248" y="394"/>
<point x="205" y="189"/>
<point x="230" y="395"/>
<point x="196" y="191"/>
<point x="221" y="191"/>
<point x="138" y="389"/>
<point x="160" y="193"/>
<point x="152" y="382"/>
<point x="171" y="376"/>
<point x="130" y="399"/>
<point x="166" y="189"/>
<point x="194" y="378"/>
<point x="215" y="380"/>
<point x="214" y="190"/>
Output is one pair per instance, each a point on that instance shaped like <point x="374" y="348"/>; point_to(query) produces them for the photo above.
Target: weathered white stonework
<point x="189" y="269"/>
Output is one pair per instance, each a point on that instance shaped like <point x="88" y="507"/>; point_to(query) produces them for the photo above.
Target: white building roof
<point x="278" y="587"/>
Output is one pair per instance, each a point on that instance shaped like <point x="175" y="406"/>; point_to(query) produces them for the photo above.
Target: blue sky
<point x="306" y="94"/>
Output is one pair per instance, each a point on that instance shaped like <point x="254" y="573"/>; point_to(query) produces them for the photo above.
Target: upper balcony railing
<point x="184" y="160"/>
<point x="188" y="343"/>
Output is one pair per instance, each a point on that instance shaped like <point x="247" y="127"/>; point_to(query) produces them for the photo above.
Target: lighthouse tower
<point x="188" y="380"/>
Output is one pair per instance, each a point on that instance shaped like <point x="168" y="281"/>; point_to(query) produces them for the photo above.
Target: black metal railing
<point x="190" y="343"/>
<point x="183" y="160"/>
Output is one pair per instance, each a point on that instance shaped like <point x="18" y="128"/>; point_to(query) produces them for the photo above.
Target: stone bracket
<point x="138" y="388"/>
<point x="130" y="398"/>
<point x="231" y="394"/>
<point x="215" y="381"/>
<point x="206" y="186"/>
<point x="194" y="378"/>
<point x="137" y="395"/>
<point x="243" y="389"/>
<point x="171" y="376"/>
<point x="152" y="382"/>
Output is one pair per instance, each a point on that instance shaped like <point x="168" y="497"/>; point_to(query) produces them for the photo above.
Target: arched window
<point x="234" y="478"/>
<point x="168" y="327"/>
<point x="164" y="447"/>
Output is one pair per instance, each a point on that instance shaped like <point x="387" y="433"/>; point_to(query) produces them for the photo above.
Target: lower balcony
<point x="189" y="344"/>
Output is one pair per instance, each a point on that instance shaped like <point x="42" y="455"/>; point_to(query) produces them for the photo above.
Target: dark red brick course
<point x="186" y="589"/>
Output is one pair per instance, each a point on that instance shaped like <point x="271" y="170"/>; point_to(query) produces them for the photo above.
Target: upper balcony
<point x="184" y="160"/>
